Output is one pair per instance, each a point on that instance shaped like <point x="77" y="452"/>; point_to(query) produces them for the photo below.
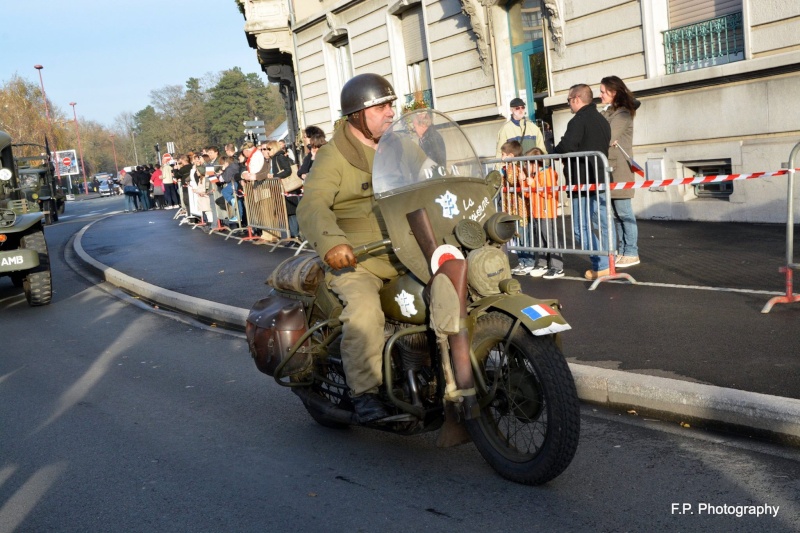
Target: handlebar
<point x="370" y="246"/>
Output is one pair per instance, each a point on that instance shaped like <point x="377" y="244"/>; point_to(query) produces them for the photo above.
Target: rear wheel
<point x="334" y="393"/>
<point x="330" y="388"/>
<point x="530" y="418"/>
<point x="37" y="283"/>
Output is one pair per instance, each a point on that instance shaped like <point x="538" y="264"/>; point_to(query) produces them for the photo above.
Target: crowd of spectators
<point x="204" y="175"/>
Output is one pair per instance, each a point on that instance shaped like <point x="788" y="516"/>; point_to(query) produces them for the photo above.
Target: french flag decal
<point x="535" y="312"/>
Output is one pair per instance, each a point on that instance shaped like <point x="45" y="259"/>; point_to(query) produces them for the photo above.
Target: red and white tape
<point x="646" y="184"/>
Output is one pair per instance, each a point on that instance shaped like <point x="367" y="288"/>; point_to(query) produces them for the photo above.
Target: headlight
<point x="5" y="174"/>
<point x="487" y="268"/>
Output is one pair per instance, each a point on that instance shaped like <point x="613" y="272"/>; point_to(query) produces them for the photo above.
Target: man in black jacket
<point x="141" y="178"/>
<point x="588" y="131"/>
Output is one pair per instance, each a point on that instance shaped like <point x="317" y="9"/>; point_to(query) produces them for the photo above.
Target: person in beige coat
<point x="338" y="212"/>
<point x="620" y="108"/>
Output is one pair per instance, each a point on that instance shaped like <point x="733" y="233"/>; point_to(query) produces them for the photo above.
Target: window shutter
<point x="684" y="12"/>
<point x="413" y="32"/>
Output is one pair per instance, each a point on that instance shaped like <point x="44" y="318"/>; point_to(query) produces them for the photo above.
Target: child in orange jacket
<point x="541" y="194"/>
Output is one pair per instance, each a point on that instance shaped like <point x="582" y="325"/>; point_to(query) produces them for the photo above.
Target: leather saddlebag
<point x="273" y="326"/>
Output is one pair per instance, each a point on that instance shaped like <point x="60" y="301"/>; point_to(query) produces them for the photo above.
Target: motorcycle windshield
<point x="426" y="161"/>
<point x="420" y="146"/>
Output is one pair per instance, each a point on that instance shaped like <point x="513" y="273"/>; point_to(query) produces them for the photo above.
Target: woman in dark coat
<point x="620" y="108"/>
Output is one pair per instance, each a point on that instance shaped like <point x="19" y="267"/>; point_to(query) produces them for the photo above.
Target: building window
<point x="721" y="190"/>
<point x="418" y="69"/>
<point x="529" y="62"/>
<point x="342" y="65"/>
<point x="703" y="33"/>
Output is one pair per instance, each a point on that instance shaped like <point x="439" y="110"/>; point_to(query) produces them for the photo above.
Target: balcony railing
<point x="705" y="44"/>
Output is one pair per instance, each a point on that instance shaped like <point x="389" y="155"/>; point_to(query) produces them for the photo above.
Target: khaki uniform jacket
<point x="338" y="206"/>
<point x="621" y="124"/>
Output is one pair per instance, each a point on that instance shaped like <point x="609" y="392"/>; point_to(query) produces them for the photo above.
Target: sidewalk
<point x="702" y="355"/>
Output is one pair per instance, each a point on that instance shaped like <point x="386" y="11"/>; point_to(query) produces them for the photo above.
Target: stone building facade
<point x="716" y="78"/>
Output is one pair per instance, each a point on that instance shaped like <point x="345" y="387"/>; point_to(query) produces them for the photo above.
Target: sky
<point x="108" y="55"/>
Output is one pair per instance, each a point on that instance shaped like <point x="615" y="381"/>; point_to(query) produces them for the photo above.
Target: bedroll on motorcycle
<point x="463" y="344"/>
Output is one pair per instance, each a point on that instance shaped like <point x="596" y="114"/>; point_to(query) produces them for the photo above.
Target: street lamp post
<point x="114" y="147"/>
<point x="135" y="155"/>
<point x="80" y="149"/>
<point x="49" y="120"/>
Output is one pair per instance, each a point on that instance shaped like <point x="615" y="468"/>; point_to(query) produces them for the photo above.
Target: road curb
<point x="773" y="417"/>
<point x="216" y="313"/>
<point x="770" y="416"/>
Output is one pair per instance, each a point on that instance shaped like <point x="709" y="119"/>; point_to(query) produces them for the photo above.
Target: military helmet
<point x="366" y="90"/>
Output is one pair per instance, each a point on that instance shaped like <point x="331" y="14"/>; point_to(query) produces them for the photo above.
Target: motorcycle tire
<point x="528" y="432"/>
<point x="329" y="395"/>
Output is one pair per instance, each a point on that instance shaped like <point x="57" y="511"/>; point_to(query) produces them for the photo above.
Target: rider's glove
<point x="341" y="256"/>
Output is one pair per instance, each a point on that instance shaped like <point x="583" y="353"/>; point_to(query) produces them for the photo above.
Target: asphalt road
<point x="117" y="418"/>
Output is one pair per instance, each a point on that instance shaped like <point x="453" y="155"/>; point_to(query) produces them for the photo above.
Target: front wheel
<point x="530" y="418"/>
<point x="37" y="283"/>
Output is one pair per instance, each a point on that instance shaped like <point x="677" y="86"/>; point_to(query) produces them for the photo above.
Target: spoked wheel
<point x="37" y="284"/>
<point x="329" y="391"/>
<point x="530" y="422"/>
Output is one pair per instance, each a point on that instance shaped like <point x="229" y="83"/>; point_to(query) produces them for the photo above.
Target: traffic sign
<point x="165" y="159"/>
<point x="66" y="161"/>
<point x="253" y="123"/>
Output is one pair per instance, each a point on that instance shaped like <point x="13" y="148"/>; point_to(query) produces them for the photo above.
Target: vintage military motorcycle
<point x="464" y="346"/>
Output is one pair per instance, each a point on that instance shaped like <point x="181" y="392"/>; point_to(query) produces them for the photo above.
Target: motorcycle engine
<point x="412" y="349"/>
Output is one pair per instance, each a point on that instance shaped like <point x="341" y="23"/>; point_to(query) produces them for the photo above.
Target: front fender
<point x="24" y="222"/>
<point x="540" y="317"/>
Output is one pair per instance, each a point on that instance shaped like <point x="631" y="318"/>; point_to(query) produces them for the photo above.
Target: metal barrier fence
<point x="261" y="204"/>
<point x="791" y="265"/>
<point x="190" y="210"/>
<point x="565" y="205"/>
<point x="266" y="211"/>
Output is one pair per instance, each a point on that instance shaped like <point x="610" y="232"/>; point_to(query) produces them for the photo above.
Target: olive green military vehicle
<point x="38" y="182"/>
<point x="23" y="249"/>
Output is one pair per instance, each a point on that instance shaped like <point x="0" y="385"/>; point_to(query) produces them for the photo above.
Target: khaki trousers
<point x="362" y="327"/>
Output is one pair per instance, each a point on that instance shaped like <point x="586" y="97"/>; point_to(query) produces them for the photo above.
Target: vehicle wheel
<point x="37" y="284"/>
<point x="330" y="391"/>
<point x="333" y="391"/>
<point x="61" y="207"/>
<point x="530" y="422"/>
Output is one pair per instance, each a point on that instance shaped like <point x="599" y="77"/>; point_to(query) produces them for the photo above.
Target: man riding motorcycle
<point x="339" y="212"/>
